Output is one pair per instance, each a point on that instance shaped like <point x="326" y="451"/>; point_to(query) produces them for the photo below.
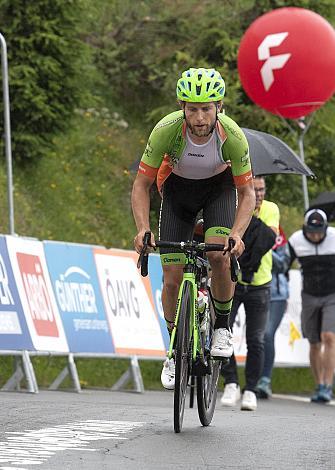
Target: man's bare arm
<point x="245" y="208"/>
<point x="140" y="202"/>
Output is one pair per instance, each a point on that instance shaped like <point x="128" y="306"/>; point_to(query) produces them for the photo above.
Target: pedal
<point x="200" y="368"/>
<point x="224" y="360"/>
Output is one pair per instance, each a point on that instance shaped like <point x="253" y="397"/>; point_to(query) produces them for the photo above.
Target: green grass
<point x="103" y="373"/>
<point x="291" y="380"/>
<point x="80" y="191"/>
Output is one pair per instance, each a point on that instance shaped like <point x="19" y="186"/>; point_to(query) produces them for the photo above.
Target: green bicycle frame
<point x="194" y="319"/>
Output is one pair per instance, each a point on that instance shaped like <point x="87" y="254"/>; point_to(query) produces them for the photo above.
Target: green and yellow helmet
<point x="200" y="86"/>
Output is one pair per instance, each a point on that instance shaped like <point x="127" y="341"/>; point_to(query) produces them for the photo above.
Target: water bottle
<point x="203" y="310"/>
<point x="202" y="301"/>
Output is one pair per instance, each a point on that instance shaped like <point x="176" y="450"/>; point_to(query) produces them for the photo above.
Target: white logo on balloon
<point x="271" y="62"/>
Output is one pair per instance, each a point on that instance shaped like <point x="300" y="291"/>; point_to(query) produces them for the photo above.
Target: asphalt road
<point x="97" y="430"/>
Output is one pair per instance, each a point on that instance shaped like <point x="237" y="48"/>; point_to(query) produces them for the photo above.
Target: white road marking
<point x="297" y="398"/>
<point x="34" y="447"/>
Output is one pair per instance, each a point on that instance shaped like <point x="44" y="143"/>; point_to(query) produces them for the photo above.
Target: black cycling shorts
<point x="184" y="198"/>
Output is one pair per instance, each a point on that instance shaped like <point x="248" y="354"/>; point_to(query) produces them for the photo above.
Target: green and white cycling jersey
<point x="200" y="161"/>
<point x="167" y="144"/>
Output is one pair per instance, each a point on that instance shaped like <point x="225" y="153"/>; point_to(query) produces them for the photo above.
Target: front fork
<point x="194" y="317"/>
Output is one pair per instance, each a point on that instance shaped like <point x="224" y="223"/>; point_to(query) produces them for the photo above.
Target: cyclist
<point x="187" y="152"/>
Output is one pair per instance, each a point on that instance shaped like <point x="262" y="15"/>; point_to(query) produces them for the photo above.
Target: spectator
<point x="253" y="291"/>
<point x="278" y="304"/>
<point x="314" y="247"/>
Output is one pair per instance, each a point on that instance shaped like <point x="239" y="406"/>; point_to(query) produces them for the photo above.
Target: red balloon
<point x="286" y="61"/>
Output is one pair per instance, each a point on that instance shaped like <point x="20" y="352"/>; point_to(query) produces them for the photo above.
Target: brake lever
<point x="234" y="264"/>
<point x="234" y="268"/>
<point x="144" y="256"/>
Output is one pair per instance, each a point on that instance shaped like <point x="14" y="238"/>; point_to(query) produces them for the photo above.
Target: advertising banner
<point x="291" y="347"/>
<point x="129" y="304"/>
<point x="35" y="291"/>
<point x="14" y="334"/>
<point x="76" y="287"/>
<point x="156" y="281"/>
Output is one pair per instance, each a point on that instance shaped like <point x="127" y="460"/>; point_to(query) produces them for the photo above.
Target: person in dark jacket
<point x="278" y="305"/>
<point x="255" y="297"/>
<point x="258" y="239"/>
<point x="314" y="247"/>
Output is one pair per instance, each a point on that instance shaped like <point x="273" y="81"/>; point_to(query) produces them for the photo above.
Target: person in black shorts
<point x="314" y="247"/>
<point x="187" y="154"/>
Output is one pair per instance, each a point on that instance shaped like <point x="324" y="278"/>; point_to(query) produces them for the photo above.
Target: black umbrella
<point x="326" y="202"/>
<point x="270" y="155"/>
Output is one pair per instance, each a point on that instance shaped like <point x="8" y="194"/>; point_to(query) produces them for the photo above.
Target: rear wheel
<point x="207" y="384"/>
<point x="182" y="357"/>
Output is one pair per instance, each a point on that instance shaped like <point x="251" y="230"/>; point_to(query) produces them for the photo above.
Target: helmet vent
<point x="195" y="85"/>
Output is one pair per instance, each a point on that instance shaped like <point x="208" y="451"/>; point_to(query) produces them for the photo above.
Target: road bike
<point x="192" y="332"/>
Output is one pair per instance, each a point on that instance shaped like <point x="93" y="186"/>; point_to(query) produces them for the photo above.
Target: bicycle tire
<point x="207" y="385"/>
<point x="182" y="358"/>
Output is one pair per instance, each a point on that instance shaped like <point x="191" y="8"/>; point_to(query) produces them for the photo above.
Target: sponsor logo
<point x="9" y="324"/>
<point x="196" y="309"/>
<point x="148" y="150"/>
<point x="245" y="158"/>
<point x="175" y="151"/>
<point x="6" y="297"/>
<point x="75" y="296"/>
<point x="233" y="131"/>
<point x="122" y="298"/>
<point x="173" y="160"/>
<point x="168" y="123"/>
<point x="198" y="155"/>
<point x="271" y="62"/>
<point x="221" y="231"/>
<point x="172" y="260"/>
<point x="37" y="295"/>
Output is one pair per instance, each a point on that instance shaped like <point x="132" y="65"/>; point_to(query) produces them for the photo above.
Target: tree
<point x="46" y="66"/>
<point x="142" y="47"/>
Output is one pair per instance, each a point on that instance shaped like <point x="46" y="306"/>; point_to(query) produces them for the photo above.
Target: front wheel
<point x="207" y="384"/>
<point x="182" y="357"/>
